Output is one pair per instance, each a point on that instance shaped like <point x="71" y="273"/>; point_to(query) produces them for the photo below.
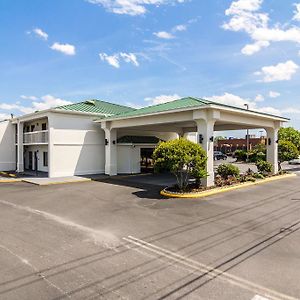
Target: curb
<point x="224" y="189"/>
<point x="10" y="180"/>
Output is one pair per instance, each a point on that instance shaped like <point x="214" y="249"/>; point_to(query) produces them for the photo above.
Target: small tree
<point x="286" y="151"/>
<point x="183" y="159"/>
<point x="290" y="134"/>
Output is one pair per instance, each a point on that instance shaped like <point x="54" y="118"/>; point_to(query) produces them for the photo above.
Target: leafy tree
<point x="290" y="134"/>
<point x="182" y="158"/>
<point x="286" y="151"/>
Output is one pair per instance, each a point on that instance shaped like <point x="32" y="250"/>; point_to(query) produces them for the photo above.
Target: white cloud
<point x="277" y="34"/>
<point x="250" y="49"/>
<point x="7" y="106"/>
<point x="4" y="116"/>
<point x="64" y="48"/>
<point x="32" y="98"/>
<point x="279" y="72"/>
<point x="164" y="35"/>
<point x="162" y="99"/>
<point x="180" y="28"/>
<point x="231" y="99"/>
<point x="234" y="100"/>
<point x="45" y="102"/>
<point x="130" y="58"/>
<point x="259" y="98"/>
<point x="114" y="60"/>
<point x="48" y="101"/>
<point x="131" y="7"/>
<point x="40" y="33"/>
<point x="297" y="12"/>
<point x="273" y="94"/>
<point x="170" y="35"/>
<point x="245" y="16"/>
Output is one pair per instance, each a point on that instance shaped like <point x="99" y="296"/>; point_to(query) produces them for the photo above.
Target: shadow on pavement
<point x="150" y="185"/>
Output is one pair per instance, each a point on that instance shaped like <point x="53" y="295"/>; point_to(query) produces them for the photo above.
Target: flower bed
<point x="222" y="184"/>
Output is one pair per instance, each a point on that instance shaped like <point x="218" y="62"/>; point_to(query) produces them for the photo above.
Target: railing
<point x="36" y="137"/>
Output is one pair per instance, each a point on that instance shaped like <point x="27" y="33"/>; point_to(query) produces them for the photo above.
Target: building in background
<point x="232" y="144"/>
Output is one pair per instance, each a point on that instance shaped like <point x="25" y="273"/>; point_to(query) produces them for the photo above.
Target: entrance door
<point x="30" y="161"/>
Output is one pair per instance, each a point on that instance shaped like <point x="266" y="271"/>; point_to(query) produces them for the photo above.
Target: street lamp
<point x="247" y="136"/>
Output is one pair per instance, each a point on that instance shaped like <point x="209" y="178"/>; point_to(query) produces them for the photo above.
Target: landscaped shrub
<point x="226" y="170"/>
<point x="264" y="167"/>
<point x="254" y="155"/>
<point x="182" y="158"/>
<point x="258" y="176"/>
<point x="240" y="155"/>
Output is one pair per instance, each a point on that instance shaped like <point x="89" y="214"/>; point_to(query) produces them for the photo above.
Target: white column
<point x="205" y="137"/>
<point x="20" y="148"/>
<point x="110" y="152"/>
<point x="272" y="148"/>
<point x="51" y="167"/>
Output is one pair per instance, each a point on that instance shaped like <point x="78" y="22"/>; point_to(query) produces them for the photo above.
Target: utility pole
<point x="247" y="136"/>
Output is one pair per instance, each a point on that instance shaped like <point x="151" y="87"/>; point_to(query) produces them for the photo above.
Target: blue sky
<point x="135" y="53"/>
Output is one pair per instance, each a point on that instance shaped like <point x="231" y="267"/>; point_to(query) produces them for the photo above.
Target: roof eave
<point x="252" y="112"/>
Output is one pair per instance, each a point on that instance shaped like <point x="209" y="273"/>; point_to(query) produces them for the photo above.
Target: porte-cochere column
<point x="272" y="147"/>
<point x="205" y="130"/>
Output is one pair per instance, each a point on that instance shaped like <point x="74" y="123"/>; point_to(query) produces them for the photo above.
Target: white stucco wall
<point x="77" y="145"/>
<point x="128" y="159"/>
<point x="7" y="146"/>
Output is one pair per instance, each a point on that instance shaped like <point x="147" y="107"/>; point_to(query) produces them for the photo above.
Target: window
<point x="45" y="159"/>
<point x="44" y="126"/>
<point x="32" y="128"/>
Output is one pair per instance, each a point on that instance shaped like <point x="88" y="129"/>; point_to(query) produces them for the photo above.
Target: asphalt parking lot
<point x="119" y="239"/>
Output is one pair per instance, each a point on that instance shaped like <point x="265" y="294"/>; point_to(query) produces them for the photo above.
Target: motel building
<point x="97" y="137"/>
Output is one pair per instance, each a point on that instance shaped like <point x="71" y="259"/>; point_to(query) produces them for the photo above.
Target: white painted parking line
<point x="258" y="297"/>
<point x="209" y="271"/>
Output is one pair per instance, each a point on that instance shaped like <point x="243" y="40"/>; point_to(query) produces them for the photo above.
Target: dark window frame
<point x="45" y="159"/>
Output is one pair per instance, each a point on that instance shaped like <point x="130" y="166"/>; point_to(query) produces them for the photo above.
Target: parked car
<point x="295" y="161"/>
<point x="219" y="155"/>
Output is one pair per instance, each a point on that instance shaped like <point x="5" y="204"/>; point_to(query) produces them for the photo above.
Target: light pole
<point x="247" y="136"/>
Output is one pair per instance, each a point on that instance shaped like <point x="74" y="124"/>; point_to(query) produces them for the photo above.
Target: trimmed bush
<point x="240" y="155"/>
<point x="182" y="158"/>
<point x="226" y="170"/>
<point x="264" y="167"/>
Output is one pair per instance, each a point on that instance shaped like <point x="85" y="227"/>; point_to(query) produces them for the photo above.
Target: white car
<point x="295" y="161"/>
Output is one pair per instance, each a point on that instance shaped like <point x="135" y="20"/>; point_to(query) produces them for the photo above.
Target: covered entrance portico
<point x="200" y="116"/>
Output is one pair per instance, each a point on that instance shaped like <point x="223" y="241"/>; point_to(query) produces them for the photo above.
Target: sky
<point x="144" y="52"/>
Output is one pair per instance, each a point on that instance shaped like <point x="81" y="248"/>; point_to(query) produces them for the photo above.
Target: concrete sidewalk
<point x="58" y="180"/>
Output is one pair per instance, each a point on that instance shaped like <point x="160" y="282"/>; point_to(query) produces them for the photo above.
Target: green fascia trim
<point x="100" y="107"/>
<point x="184" y="103"/>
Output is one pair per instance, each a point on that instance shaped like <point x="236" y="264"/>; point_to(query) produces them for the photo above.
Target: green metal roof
<point x="97" y="107"/>
<point x="173" y="105"/>
<point x="184" y="103"/>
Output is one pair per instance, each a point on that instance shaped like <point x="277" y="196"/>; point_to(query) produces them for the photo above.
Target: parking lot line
<point x="209" y="271"/>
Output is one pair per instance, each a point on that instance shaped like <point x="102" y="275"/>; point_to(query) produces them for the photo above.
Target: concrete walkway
<point x="58" y="180"/>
